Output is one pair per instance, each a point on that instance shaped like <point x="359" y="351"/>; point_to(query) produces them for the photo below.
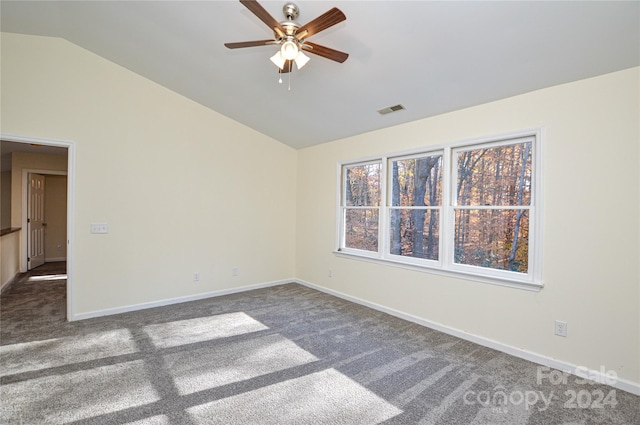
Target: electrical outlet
<point x="196" y="277"/>
<point x="234" y="271"/>
<point x="561" y="328"/>
<point x="330" y="273"/>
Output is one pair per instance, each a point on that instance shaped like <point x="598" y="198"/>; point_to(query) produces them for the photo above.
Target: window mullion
<point x="383" y="222"/>
<point x="446" y="217"/>
<point x="340" y="210"/>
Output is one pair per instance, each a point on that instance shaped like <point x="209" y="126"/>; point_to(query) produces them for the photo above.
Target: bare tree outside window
<point x="492" y="207"/>
<point x="416" y="200"/>
<point x="361" y="206"/>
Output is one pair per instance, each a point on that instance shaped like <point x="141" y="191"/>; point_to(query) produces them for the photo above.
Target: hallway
<point x="36" y="299"/>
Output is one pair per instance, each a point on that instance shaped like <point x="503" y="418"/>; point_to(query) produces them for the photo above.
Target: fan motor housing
<point x="291" y="11"/>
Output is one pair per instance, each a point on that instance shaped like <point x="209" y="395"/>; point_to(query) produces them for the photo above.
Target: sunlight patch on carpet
<point x="211" y="367"/>
<point x="189" y="331"/>
<point x="39" y="355"/>
<point x="47" y="277"/>
<point x="77" y="395"/>
<point x="326" y="397"/>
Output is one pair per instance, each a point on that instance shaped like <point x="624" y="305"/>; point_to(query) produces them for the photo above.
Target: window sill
<point x="492" y="280"/>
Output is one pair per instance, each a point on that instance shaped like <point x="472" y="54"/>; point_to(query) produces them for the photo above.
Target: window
<point x="467" y="208"/>
<point x="361" y="206"/>
<point x="416" y="202"/>
<point x="491" y="206"/>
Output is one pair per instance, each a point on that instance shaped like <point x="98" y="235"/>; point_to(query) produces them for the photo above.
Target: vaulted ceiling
<point x="431" y="57"/>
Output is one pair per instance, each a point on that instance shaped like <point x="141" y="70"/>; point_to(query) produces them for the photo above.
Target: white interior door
<point x="35" y="221"/>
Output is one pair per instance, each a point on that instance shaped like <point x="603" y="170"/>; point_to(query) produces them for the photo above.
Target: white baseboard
<point x="582" y="372"/>
<point x="51" y="260"/>
<point x="152" y="304"/>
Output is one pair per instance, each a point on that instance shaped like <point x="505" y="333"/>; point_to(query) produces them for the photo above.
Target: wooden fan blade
<point x="326" y="52"/>
<point x="322" y="22"/>
<point x="288" y="66"/>
<point x="242" y="44"/>
<point x="261" y="13"/>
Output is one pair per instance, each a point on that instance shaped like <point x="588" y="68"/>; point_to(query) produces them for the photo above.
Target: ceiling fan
<point x="291" y="37"/>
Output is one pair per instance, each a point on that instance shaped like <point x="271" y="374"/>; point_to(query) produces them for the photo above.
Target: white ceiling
<point x="432" y="57"/>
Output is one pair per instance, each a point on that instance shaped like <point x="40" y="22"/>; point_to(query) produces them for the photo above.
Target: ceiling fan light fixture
<point x="301" y="59"/>
<point x="289" y="50"/>
<point x="278" y="60"/>
<point x="291" y="37"/>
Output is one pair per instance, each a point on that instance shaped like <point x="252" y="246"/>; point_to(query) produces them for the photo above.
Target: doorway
<point x="46" y="217"/>
<point x="54" y="161"/>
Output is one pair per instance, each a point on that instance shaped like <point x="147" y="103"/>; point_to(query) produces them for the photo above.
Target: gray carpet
<point x="281" y="355"/>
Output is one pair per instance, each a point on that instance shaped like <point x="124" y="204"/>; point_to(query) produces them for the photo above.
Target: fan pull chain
<point x="289" y="81"/>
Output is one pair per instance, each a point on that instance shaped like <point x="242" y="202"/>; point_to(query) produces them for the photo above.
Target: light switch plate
<point x="99" y="228"/>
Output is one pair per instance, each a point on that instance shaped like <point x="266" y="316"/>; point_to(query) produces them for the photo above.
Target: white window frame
<point x="445" y="265"/>
<point x="342" y="208"/>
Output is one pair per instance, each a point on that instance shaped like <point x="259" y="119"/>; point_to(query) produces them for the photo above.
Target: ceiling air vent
<point x="390" y="109"/>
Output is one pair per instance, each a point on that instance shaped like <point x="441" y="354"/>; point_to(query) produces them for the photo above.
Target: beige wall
<point x="182" y="188"/>
<point x="9" y="261"/>
<point x="55" y="215"/>
<point x="591" y="233"/>
<point x="5" y="199"/>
